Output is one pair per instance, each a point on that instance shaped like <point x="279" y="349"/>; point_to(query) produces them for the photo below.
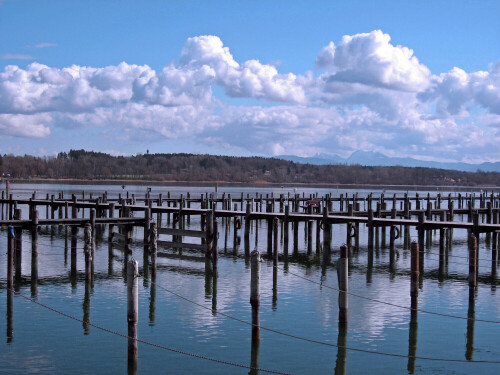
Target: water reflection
<point x="412" y="340"/>
<point x="471" y="315"/>
<point x="10" y="326"/>
<point x="340" y="363"/>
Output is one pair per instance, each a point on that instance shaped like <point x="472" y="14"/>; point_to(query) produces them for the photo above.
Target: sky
<point x="414" y="79"/>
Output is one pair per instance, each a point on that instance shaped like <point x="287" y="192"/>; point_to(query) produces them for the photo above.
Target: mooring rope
<point x="194" y="355"/>
<point x="389" y="303"/>
<point x="318" y="341"/>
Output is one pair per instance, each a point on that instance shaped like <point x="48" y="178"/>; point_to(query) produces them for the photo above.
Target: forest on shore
<point x="90" y="165"/>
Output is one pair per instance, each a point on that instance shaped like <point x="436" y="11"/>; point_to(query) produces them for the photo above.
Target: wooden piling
<point x="255" y="279"/>
<point x="87" y="249"/>
<point x="18" y="244"/>
<point x="10" y="257"/>
<point x="153" y="240"/>
<point x="415" y="269"/>
<point x="472" y="261"/>
<point x="275" y="242"/>
<point x="132" y="312"/>
<point x="327" y="231"/>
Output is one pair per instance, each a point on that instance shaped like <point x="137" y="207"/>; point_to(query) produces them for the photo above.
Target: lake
<point x="303" y="303"/>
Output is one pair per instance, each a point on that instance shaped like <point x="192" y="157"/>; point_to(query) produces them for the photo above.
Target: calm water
<point x="37" y="340"/>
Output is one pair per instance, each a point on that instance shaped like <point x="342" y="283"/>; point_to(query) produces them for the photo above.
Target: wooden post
<point x="10" y="257"/>
<point x="153" y="240"/>
<point x="269" y="231"/>
<point x="132" y="312"/>
<point x="275" y="244"/>
<point x="421" y="235"/>
<point x="327" y="231"/>
<point x="87" y="249"/>
<point x="349" y="228"/>
<point x="111" y="215"/>
<point x="285" y="230"/>
<point x="18" y="244"/>
<point x="147" y="225"/>
<point x="209" y="237"/>
<point x="415" y="269"/>
<point x="247" y="229"/>
<point x="342" y="274"/>
<point x="472" y="261"/>
<point x="370" y="229"/>
<point x="255" y="279"/>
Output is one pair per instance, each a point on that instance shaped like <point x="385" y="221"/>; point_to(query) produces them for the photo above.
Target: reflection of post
<point x="34" y="253"/>
<point x="255" y="302"/>
<point x="132" y="313"/>
<point x="342" y="273"/>
<point x="469" y="351"/>
<point x="10" y="303"/>
<point x="414" y="281"/>
<point x="340" y="364"/>
<point x="86" y="308"/>
<point x="152" y="300"/>
<point x="214" y="295"/>
<point x="412" y="341"/>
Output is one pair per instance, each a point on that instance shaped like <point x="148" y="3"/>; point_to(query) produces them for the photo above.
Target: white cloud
<point x="371" y="95"/>
<point x="371" y="59"/>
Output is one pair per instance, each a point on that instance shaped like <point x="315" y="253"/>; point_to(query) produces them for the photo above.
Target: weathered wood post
<point x="18" y="244"/>
<point x="327" y="231"/>
<point x="153" y="240"/>
<point x="472" y="261"/>
<point x="342" y="274"/>
<point x="285" y="230"/>
<point x="421" y="235"/>
<point x="475" y="232"/>
<point x="209" y="239"/>
<point x="147" y="225"/>
<point x="415" y="269"/>
<point x="10" y="257"/>
<point x="87" y="249"/>
<point x="255" y="286"/>
<point x="111" y="215"/>
<point x="442" y="249"/>
<point x="132" y="312"/>
<point x="350" y="228"/>
<point x="247" y="229"/>
<point x="269" y="231"/>
<point x="392" y="233"/>
<point x="275" y="241"/>
<point x="370" y="229"/>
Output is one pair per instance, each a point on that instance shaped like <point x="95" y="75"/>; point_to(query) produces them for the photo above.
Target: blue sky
<point x="419" y="79"/>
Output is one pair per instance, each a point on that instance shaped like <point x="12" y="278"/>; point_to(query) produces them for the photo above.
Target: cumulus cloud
<point x="250" y="79"/>
<point x="369" y="95"/>
<point x="370" y="59"/>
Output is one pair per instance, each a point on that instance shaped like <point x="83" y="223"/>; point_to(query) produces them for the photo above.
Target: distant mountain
<point x="378" y="159"/>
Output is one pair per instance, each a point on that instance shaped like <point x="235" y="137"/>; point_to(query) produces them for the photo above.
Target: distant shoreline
<point x="250" y="184"/>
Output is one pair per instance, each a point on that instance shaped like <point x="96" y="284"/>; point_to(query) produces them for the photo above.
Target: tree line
<point x="82" y="164"/>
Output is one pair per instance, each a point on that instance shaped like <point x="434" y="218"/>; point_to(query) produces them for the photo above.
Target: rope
<point x="393" y="304"/>
<point x="194" y="355"/>
<point x="317" y="341"/>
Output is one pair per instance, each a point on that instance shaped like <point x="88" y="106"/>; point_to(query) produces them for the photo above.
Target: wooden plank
<point x="181" y="232"/>
<point x="183" y="245"/>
